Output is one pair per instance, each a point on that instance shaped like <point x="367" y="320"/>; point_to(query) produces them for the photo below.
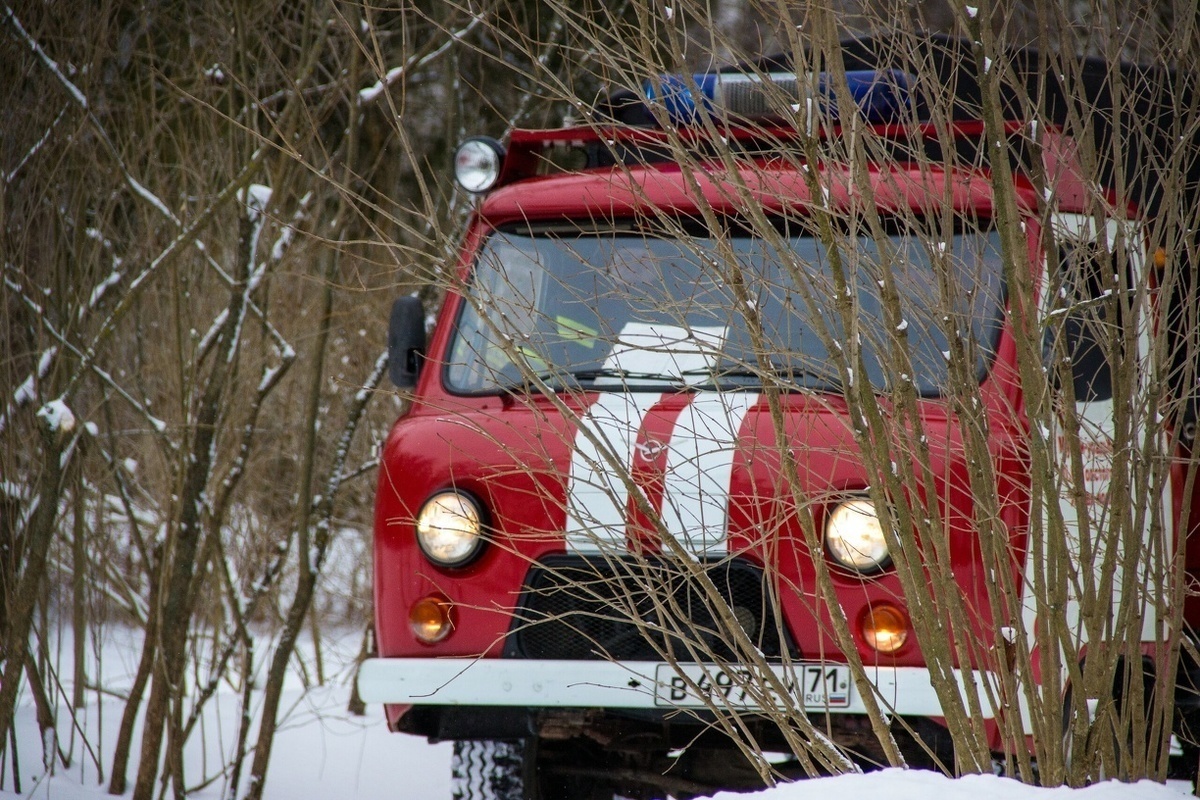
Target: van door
<point x="1088" y="310"/>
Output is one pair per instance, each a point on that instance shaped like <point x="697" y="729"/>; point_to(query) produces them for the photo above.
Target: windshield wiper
<point x="576" y="377"/>
<point x="794" y="373"/>
<point x="620" y="374"/>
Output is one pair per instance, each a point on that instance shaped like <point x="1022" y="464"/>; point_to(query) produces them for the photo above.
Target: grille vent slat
<point x="637" y="610"/>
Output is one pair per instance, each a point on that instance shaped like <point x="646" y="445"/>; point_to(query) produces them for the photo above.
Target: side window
<point x="507" y="284"/>
<point x="1080" y="335"/>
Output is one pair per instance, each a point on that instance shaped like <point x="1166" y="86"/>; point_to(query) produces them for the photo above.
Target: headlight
<point x="854" y="537"/>
<point x="477" y="163"/>
<point x="449" y="529"/>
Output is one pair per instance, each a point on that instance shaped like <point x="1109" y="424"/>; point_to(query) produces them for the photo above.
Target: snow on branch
<point x="155" y="422"/>
<point x="282" y="346"/>
<point x="37" y="146"/>
<point x="82" y="100"/>
<point x="186" y="234"/>
<point x="322" y="505"/>
<point x="26" y="392"/>
<point x="50" y="63"/>
<point x="256" y="198"/>
<point x="210" y="336"/>
<point x="57" y="416"/>
<point x="288" y="232"/>
<point x="372" y="93"/>
<point x="99" y="291"/>
<point x="114" y="153"/>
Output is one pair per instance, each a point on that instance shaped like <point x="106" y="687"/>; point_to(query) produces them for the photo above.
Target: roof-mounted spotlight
<point x="477" y="163"/>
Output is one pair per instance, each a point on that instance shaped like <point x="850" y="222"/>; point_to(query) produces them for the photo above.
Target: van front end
<point x="867" y="442"/>
<point x="612" y="517"/>
<point x="567" y="621"/>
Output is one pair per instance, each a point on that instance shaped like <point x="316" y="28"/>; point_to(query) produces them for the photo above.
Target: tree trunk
<point x="55" y="432"/>
<point x="120" y="764"/>
<point x="79" y="590"/>
<point x="180" y="560"/>
<point x="308" y="570"/>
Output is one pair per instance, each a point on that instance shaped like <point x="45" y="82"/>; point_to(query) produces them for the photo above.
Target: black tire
<point x="524" y="770"/>
<point x="1105" y="750"/>
<point x="487" y="770"/>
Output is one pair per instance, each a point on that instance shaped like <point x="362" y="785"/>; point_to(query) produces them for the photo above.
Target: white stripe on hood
<point x="700" y="453"/>
<point x="699" y="465"/>
<point x="596" y="493"/>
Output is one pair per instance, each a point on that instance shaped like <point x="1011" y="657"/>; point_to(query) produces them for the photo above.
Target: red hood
<point x="601" y="469"/>
<point x="773" y="186"/>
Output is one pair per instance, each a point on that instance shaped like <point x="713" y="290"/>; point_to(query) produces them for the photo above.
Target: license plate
<point x="694" y="685"/>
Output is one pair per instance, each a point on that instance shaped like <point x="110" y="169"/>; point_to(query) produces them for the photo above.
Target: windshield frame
<point x="823" y="381"/>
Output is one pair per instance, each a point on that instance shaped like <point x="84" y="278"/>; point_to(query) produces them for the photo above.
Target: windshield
<point x="633" y="311"/>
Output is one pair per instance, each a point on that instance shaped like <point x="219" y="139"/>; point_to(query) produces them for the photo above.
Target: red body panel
<point x="514" y="454"/>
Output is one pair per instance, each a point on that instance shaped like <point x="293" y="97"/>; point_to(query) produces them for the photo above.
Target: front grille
<point x="639" y="610"/>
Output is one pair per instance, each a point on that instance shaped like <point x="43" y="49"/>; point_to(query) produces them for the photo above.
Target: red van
<point x="631" y="483"/>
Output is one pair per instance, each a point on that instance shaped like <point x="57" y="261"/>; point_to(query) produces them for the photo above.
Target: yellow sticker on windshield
<point x="576" y="331"/>
<point x="534" y="361"/>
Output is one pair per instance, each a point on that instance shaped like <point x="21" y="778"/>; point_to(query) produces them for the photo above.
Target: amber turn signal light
<point x="884" y="627"/>
<point x="430" y="619"/>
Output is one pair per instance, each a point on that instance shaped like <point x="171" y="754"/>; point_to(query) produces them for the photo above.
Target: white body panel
<point x="525" y="683"/>
<point x="1088" y="543"/>
<point x="700" y="450"/>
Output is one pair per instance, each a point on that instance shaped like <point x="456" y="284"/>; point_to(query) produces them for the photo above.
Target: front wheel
<point x="528" y="770"/>
<point x="1098" y="738"/>
<point x="487" y="770"/>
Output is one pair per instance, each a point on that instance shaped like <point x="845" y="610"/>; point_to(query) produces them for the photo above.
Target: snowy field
<point x="320" y="750"/>
<point x="323" y="753"/>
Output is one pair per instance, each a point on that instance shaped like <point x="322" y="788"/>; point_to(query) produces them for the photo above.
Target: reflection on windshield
<point x="628" y="311"/>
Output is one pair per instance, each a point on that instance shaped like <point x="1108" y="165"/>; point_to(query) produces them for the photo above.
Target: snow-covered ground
<point x="895" y="784"/>
<point x="322" y="752"/>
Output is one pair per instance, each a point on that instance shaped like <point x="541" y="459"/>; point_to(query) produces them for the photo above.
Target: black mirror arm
<point x="406" y="341"/>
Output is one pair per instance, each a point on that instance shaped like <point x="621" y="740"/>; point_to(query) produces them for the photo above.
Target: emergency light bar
<point x="882" y="96"/>
<point x="886" y="100"/>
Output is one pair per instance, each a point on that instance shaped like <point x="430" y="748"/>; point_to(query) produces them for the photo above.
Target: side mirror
<point x="406" y="341"/>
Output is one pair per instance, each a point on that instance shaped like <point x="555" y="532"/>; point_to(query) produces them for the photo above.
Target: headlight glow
<point x="449" y="529"/>
<point x="854" y="537"/>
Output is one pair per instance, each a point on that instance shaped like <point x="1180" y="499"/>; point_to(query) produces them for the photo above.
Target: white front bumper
<point x="594" y="684"/>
